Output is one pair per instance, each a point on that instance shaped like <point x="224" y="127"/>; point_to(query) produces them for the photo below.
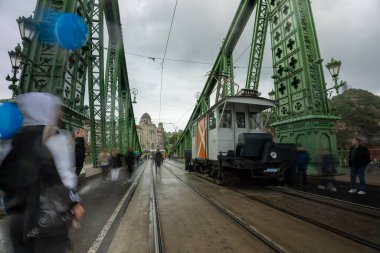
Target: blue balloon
<point x="10" y="120"/>
<point x="71" y="31"/>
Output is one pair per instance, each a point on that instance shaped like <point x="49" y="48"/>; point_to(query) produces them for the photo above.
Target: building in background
<point x="151" y="137"/>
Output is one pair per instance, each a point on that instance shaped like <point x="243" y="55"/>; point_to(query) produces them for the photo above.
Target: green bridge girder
<point x="66" y="74"/>
<point x="303" y="114"/>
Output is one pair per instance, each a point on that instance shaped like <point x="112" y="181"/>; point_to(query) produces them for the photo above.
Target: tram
<point x="229" y="143"/>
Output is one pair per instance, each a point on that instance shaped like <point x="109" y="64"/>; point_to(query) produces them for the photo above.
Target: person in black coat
<point x="158" y="159"/>
<point x="358" y="160"/>
<point x="116" y="163"/>
<point x="129" y="161"/>
<point x="37" y="176"/>
<point x="80" y="151"/>
<point x="327" y="170"/>
<point x="303" y="160"/>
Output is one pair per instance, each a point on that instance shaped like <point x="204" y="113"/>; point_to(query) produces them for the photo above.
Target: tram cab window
<point x="226" y="119"/>
<point x="240" y="119"/>
<point x="212" y="120"/>
<point x="254" y="120"/>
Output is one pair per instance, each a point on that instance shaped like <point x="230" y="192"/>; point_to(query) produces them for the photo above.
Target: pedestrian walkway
<point x="89" y="170"/>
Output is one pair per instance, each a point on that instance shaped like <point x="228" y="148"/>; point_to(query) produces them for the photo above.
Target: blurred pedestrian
<point x="327" y="171"/>
<point x="138" y="155"/>
<point x="303" y="160"/>
<point x="104" y="160"/>
<point x="358" y="160"/>
<point x="157" y="159"/>
<point x="80" y="150"/>
<point x="116" y="164"/>
<point x="39" y="181"/>
<point x="129" y="161"/>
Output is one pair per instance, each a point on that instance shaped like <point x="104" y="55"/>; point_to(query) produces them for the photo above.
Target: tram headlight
<point x="273" y="155"/>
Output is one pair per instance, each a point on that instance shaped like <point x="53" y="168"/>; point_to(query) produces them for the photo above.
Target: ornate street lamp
<point x="27" y="28"/>
<point x="334" y="67"/>
<point x="134" y="91"/>
<point x="15" y="61"/>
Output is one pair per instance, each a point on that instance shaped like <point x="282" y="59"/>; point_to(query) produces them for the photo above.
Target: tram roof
<point x="260" y="103"/>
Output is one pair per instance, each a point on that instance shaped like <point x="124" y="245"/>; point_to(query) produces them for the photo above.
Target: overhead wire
<point x="185" y="114"/>
<point x="181" y="60"/>
<point x="168" y="59"/>
<point x="163" y="60"/>
<point x="242" y="53"/>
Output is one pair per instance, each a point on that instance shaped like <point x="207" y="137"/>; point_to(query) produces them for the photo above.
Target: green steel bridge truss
<point x="102" y="70"/>
<point x="303" y="114"/>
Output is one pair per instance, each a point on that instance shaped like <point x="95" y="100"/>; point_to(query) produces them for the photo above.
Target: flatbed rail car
<point x="228" y="143"/>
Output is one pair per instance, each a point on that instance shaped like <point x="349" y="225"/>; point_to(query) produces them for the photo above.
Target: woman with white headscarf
<point x="38" y="178"/>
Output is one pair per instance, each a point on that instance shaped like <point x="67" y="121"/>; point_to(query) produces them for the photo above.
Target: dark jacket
<point x="116" y="161"/>
<point x="80" y="151"/>
<point x="303" y="159"/>
<point x="362" y="157"/>
<point x="26" y="172"/>
<point x="129" y="158"/>
<point x="327" y="164"/>
<point x="158" y="157"/>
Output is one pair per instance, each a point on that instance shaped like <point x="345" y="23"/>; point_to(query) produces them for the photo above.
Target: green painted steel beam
<point x="96" y="80"/>
<point x="112" y="15"/>
<point x="63" y="73"/>
<point x="302" y="115"/>
<point x="258" y="45"/>
<point x="238" y="24"/>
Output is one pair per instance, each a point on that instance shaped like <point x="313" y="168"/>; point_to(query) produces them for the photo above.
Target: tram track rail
<point x="236" y="219"/>
<point x="365" y="210"/>
<point x="155" y="231"/>
<point x="309" y="220"/>
<point x="315" y="222"/>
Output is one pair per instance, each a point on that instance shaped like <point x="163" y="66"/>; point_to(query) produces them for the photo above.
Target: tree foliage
<point x="360" y="116"/>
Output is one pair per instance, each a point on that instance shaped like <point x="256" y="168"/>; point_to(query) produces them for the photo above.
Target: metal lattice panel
<point x="96" y="79"/>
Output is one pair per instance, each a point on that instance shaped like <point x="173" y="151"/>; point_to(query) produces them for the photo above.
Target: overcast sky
<point x="347" y="30"/>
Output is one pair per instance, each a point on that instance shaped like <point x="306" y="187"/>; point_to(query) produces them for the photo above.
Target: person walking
<point x="157" y="159"/>
<point x="80" y="150"/>
<point x="358" y="159"/>
<point x="116" y="164"/>
<point x="38" y="178"/>
<point x="303" y="159"/>
<point x="327" y="170"/>
<point x="129" y="161"/>
<point x="104" y="160"/>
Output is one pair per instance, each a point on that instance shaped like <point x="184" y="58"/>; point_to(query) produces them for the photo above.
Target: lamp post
<point x="27" y="28"/>
<point x="15" y="61"/>
<point x="134" y="91"/>
<point x="334" y="67"/>
<point x="28" y="31"/>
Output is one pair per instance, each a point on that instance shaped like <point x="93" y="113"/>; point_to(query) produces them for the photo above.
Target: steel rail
<point x="309" y="220"/>
<point x="287" y="190"/>
<point x="316" y="223"/>
<point x="236" y="219"/>
<point x="156" y="239"/>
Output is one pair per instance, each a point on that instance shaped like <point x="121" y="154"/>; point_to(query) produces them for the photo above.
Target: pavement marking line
<point x="95" y="246"/>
